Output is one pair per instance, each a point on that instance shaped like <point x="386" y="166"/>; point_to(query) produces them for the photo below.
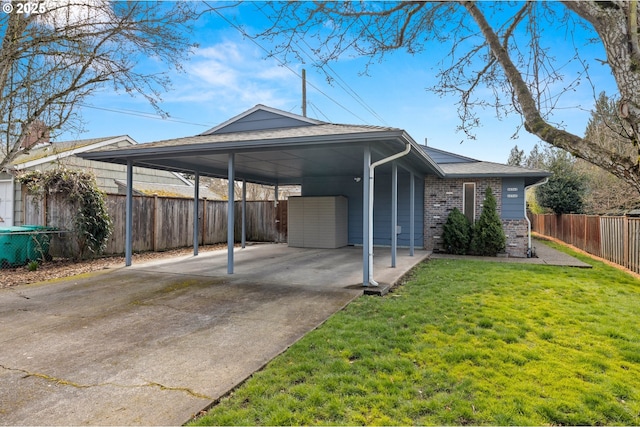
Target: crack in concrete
<point x="184" y="389"/>
<point x="60" y="381"/>
<point x="18" y="293"/>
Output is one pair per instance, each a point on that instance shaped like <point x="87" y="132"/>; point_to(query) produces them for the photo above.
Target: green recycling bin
<point x="39" y="242"/>
<point x="14" y="244"/>
<point x="21" y="244"/>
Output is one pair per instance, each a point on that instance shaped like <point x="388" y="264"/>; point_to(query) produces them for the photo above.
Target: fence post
<point x="625" y="240"/>
<point x="586" y="233"/>
<point x="204" y="220"/>
<point x="155" y="222"/>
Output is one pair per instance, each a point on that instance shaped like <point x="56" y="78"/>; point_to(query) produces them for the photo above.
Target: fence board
<point x="614" y="238"/>
<point x="161" y="223"/>
<point x="634" y="244"/>
<point x="592" y="241"/>
<point x="214" y="222"/>
<point x="261" y="221"/>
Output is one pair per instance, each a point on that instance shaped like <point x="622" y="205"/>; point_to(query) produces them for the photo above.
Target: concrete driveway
<point x="155" y="343"/>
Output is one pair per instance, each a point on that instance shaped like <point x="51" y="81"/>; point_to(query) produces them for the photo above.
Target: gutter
<point x="525" y="212"/>
<point x="372" y="167"/>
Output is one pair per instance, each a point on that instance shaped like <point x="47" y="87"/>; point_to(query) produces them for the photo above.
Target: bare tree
<point x="54" y="56"/>
<point x="607" y="192"/>
<point x="499" y="46"/>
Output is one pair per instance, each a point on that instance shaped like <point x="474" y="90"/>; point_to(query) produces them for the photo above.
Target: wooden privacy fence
<point x="162" y="223"/>
<point x="614" y="238"/>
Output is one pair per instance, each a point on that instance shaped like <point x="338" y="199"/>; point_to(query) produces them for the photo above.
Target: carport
<point x="268" y="146"/>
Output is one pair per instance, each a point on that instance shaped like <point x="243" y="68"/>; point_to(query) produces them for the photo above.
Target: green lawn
<point x="462" y="342"/>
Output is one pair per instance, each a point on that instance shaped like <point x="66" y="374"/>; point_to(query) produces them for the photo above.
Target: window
<point x="469" y="201"/>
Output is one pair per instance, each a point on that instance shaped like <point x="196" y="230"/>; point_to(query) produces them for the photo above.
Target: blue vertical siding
<point x="260" y="120"/>
<point x="346" y="186"/>
<point x="513" y="198"/>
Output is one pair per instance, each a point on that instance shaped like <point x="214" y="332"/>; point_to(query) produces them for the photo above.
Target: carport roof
<point x="277" y="155"/>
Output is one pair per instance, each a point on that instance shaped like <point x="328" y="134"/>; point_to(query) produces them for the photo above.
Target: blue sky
<point x="229" y="74"/>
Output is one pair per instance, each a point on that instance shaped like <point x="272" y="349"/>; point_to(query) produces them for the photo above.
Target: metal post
<point x="412" y="213"/>
<point x="230" y="214"/>
<point x="394" y="213"/>
<point x="196" y="211"/>
<point x="365" y="216"/>
<point x="244" y="213"/>
<point x="372" y="167"/>
<point x="128" y="246"/>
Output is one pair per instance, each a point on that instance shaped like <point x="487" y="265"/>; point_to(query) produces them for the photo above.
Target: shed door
<point x="6" y="203"/>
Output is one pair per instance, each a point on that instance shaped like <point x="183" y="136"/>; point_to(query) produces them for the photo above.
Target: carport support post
<point x="230" y="214"/>
<point x="412" y="212"/>
<point x="196" y="209"/>
<point x="394" y="213"/>
<point x="244" y="213"/>
<point x="365" y="215"/>
<point x="128" y="247"/>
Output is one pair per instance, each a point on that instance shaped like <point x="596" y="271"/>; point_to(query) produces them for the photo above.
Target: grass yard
<point x="462" y="342"/>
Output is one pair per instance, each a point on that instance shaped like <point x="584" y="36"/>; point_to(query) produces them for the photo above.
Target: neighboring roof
<point x="44" y="153"/>
<point x="169" y="190"/>
<point x="287" y="148"/>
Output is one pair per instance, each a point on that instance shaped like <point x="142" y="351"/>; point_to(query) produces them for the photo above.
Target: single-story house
<point x="360" y="185"/>
<point x="47" y="155"/>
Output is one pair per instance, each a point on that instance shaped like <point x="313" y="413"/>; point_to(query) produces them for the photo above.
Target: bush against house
<point x="456" y="234"/>
<point x="90" y="224"/>
<point x="488" y="236"/>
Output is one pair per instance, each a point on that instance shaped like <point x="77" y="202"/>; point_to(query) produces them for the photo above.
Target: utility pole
<point x="304" y="92"/>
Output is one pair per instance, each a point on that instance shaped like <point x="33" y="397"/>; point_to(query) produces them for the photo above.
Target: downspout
<point x="525" y="212"/>
<point x="372" y="167"/>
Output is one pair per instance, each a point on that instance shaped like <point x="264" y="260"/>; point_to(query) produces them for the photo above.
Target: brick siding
<point x="442" y="195"/>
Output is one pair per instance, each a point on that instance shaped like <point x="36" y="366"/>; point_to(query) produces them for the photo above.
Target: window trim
<point x="464" y="200"/>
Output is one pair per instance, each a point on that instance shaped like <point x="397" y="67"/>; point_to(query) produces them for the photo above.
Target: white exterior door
<point x="6" y="203"/>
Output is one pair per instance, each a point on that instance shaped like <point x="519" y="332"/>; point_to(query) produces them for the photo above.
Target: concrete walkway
<point x="544" y="255"/>
<point x="155" y="343"/>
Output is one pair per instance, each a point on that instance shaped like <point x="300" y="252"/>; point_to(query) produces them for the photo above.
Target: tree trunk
<point x="620" y="166"/>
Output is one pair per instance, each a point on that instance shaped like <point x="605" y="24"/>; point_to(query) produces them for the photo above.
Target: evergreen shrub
<point x="456" y="235"/>
<point x="488" y="236"/>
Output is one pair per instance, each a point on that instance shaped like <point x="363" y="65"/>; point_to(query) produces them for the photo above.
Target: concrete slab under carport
<point x="272" y="263"/>
<point x="154" y="343"/>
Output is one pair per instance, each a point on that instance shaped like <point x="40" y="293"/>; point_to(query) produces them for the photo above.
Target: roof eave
<point x="247" y="145"/>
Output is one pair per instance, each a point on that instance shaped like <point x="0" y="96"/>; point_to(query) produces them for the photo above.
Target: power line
<point x="349" y="90"/>
<point x="317" y="110"/>
<point x="244" y="34"/>
<point x="142" y="114"/>
<point x="339" y="80"/>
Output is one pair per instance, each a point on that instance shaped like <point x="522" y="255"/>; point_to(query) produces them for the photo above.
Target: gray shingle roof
<point x="479" y="169"/>
<point x="264" y="136"/>
<point x="488" y="169"/>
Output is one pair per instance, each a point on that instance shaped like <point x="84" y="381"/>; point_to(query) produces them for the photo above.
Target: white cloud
<point x="233" y="73"/>
<point x="75" y="15"/>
